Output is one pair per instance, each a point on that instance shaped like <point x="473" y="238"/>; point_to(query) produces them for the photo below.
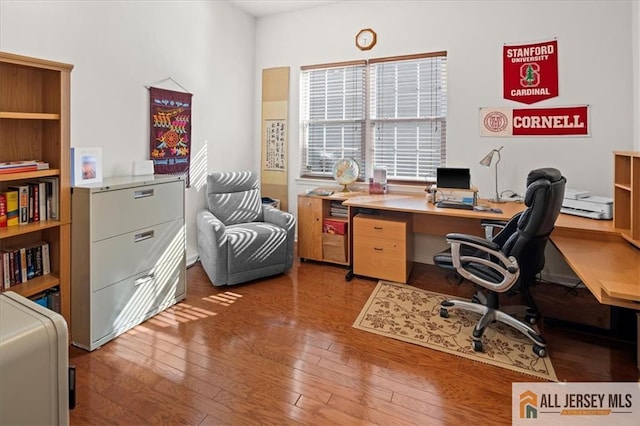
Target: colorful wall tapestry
<point x="170" y="124"/>
<point x="530" y="71"/>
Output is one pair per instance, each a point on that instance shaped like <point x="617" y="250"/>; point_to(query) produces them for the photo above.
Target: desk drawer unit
<point x="382" y="247"/>
<point x="128" y="255"/>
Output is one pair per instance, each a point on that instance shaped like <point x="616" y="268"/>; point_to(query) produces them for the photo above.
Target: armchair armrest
<point x="482" y="253"/>
<point x="212" y="245"/>
<point x="208" y="221"/>
<point x="286" y="221"/>
<point x="278" y="217"/>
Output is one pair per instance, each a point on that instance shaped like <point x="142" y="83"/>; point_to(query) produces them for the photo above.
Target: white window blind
<point x="333" y="117"/>
<point x="403" y="128"/>
<point x="408" y="111"/>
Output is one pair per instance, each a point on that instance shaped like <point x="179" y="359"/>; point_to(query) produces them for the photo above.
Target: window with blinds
<point x="403" y="127"/>
<point x="333" y="117"/>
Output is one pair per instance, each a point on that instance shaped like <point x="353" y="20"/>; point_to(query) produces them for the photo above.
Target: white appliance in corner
<point x="582" y="203"/>
<point x="34" y="363"/>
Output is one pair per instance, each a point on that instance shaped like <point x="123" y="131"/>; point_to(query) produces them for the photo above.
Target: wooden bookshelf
<point x="35" y="125"/>
<point x="626" y="195"/>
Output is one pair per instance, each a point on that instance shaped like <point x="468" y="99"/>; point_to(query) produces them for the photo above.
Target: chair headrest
<point x="548" y="173"/>
<point x="542" y="178"/>
<point x="228" y="182"/>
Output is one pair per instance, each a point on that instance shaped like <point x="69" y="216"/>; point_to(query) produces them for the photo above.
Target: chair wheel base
<point x="477" y="346"/>
<point x="540" y="351"/>
<point x="444" y="313"/>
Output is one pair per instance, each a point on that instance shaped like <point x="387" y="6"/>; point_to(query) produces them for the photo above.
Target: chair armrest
<point x="212" y="246"/>
<point x="207" y="221"/>
<point x="284" y="220"/>
<point x="472" y="239"/>
<point x="482" y="253"/>
<point x="490" y="226"/>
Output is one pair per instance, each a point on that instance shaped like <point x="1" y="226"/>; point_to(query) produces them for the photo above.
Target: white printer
<point x="582" y="203"/>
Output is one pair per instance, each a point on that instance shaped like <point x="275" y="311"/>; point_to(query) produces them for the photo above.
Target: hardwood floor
<point x="282" y="351"/>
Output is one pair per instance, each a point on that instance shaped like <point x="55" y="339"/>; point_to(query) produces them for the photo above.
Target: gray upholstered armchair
<point x="239" y="238"/>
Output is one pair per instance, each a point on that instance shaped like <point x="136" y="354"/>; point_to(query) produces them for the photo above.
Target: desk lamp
<point x="486" y="161"/>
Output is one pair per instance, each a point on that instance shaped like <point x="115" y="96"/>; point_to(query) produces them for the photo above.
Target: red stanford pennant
<point x="530" y="72"/>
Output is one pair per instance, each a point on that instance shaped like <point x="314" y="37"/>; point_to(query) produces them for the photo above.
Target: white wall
<point x="119" y="47"/>
<point x="595" y="68"/>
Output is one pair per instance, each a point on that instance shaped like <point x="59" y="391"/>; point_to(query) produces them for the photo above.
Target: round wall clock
<point x="366" y="39"/>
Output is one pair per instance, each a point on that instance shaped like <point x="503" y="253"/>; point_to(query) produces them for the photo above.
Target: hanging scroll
<point x="170" y="139"/>
<point x="275" y="155"/>
<point x="275" y="108"/>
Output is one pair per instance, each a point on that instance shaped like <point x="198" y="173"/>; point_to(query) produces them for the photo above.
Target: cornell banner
<point x="507" y="122"/>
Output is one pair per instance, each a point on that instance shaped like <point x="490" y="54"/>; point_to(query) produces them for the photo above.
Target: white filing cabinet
<point x="127" y="254"/>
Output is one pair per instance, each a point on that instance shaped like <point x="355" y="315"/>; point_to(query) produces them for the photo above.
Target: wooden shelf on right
<point x="626" y="196"/>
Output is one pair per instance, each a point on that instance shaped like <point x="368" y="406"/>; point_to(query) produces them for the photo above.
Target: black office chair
<point x="511" y="260"/>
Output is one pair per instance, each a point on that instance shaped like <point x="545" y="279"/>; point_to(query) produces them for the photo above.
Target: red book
<point x="22" y="166"/>
<point x="3" y="211"/>
<point x="34" y="202"/>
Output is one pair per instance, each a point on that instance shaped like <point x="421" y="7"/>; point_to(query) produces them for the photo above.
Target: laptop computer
<point x="452" y="177"/>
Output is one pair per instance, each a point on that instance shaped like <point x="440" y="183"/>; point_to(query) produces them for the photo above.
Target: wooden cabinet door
<point x="310" y="228"/>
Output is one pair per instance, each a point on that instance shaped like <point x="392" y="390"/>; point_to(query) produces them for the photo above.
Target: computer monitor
<point x="452" y="177"/>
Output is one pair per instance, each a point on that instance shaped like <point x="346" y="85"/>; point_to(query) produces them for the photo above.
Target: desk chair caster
<point x="538" y="350"/>
<point x="491" y="315"/>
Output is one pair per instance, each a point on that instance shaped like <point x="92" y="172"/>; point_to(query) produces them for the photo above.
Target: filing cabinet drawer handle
<point x="378" y="228"/>
<point x="378" y="249"/>
<point x="143" y="193"/>
<point x="143" y="236"/>
<point x="143" y="280"/>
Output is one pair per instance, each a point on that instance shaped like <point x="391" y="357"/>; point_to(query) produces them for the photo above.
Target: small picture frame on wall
<point x="86" y="165"/>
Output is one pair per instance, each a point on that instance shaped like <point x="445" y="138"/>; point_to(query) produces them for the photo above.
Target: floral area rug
<point x="412" y="315"/>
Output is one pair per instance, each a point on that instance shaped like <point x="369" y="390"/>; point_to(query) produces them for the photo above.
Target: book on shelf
<point x="49" y="299"/>
<point x="53" y="302"/>
<point x="6" y="271"/>
<point x="18" y="167"/>
<point x="23" y="202"/>
<point x="46" y="258"/>
<point x="21" y="264"/>
<point x="34" y="200"/>
<point x="39" y="199"/>
<point x="3" y="211"/>
<point x="22" y="166"/>
<point x="52" y="195"/>
<point x="12" y="208"/>
<point x="31" y="264"/>
<point x="9" y="262"/>
<point x="40" y="299"/>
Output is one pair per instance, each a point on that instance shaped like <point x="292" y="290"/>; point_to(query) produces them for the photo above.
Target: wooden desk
<point x="606" y="263"/>
<point x="609" y="268"/>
